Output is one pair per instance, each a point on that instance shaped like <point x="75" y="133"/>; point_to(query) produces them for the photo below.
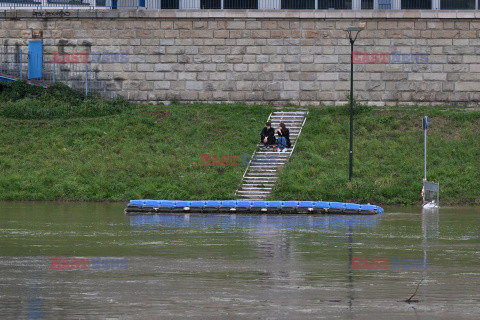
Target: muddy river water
<point x="90" y="261"/>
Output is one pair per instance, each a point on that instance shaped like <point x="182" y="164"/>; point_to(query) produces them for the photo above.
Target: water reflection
<point x="350" y="273"/>
<point x="430" y="231"/>
<point x="271" y="235"/>
<point x="35" y="302"/>
<point x="254" y="223"/>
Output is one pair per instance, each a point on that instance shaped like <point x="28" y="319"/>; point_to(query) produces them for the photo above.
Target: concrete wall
<point x="300" y="57"/>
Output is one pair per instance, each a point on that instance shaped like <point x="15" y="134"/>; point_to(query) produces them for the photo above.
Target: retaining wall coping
<point x="236" y="14"/>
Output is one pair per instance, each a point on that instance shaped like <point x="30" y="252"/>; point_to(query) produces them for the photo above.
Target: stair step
<point x="261" y="173"/>
<point x="254" y="197"/>
<point x="268" y="165"/>
<point x="256" y="188"/>
<point x="270" y="158"/>
<point x="288" y="116"/>
<point x="293" y="124"/>
<point x="270" y="183"/>
<point x="260" y="197"/>
<point x="255" y="177"/>
<point x="261" y="145"/>
<point x="280" y="155"/>
<point x="259" y="166"/>
<point x="265" y="167"/>
<point x="270" y="161"/>
<point x="256" y="173"/>
<point x="289" y="124"/>
<point x="260" y="170"/>
<point x="271" y="152"/>
<point x="254" y="193"/>
<point x="273" y="160"/>
<point x="290" y="112"/>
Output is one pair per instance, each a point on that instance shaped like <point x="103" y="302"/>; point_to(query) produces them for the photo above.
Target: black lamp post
<point x="352" y="38"/>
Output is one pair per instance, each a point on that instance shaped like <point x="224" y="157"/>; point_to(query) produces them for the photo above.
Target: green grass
<point x="20" y="100"/>
<point x="57" y="145"/>
<point x="144" y="152"/>
<point x="388" y="156"/>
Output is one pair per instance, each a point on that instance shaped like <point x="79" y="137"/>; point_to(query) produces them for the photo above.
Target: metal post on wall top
<point x="86" y="80"/>
<point x="21" y="65"/>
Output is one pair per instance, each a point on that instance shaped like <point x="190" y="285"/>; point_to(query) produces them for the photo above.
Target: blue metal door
<point x="141" y="3"/>
<point x="35" y="59"/>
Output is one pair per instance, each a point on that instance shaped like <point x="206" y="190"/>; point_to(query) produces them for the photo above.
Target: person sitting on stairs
<point x="267" y="137"/>
<point x="283" y="138"/>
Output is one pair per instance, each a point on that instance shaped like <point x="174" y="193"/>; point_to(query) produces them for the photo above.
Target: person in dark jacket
<point x="283" y="138"/>
<point x="267" y="137"/>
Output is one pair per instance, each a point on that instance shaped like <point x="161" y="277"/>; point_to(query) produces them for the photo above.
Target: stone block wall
<point x="301" y="57"/>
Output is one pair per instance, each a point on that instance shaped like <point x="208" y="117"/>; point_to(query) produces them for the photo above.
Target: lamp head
<point x="352" y="28"/>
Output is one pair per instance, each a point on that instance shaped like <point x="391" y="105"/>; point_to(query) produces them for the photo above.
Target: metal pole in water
<point x="425" y="177"/>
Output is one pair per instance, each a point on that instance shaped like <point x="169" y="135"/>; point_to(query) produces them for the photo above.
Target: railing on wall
<point x="459" y="5"/>
<point x="416" y="4"/>
<point x="17" y="65"/>
<point x="47" y="4"/>
<point x="245" y="4"/>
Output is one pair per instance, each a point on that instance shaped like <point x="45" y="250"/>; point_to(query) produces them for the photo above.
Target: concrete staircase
<point x="262" y="170"/>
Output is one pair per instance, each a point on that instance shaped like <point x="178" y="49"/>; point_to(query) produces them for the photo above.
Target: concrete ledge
<point x="237" y="14"/>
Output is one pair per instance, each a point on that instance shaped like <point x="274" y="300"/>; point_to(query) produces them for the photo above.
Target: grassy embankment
<point x="57" y="145"/>
<point x="75" y="149"/>
<point x="388" y="156"/>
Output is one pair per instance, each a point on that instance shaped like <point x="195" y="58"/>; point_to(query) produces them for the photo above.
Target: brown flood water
<point x="236" y="266"/>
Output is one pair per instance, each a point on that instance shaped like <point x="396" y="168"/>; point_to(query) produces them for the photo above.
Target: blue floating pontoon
<point x="243" y="206"/>
<point x="321" y="207"/>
